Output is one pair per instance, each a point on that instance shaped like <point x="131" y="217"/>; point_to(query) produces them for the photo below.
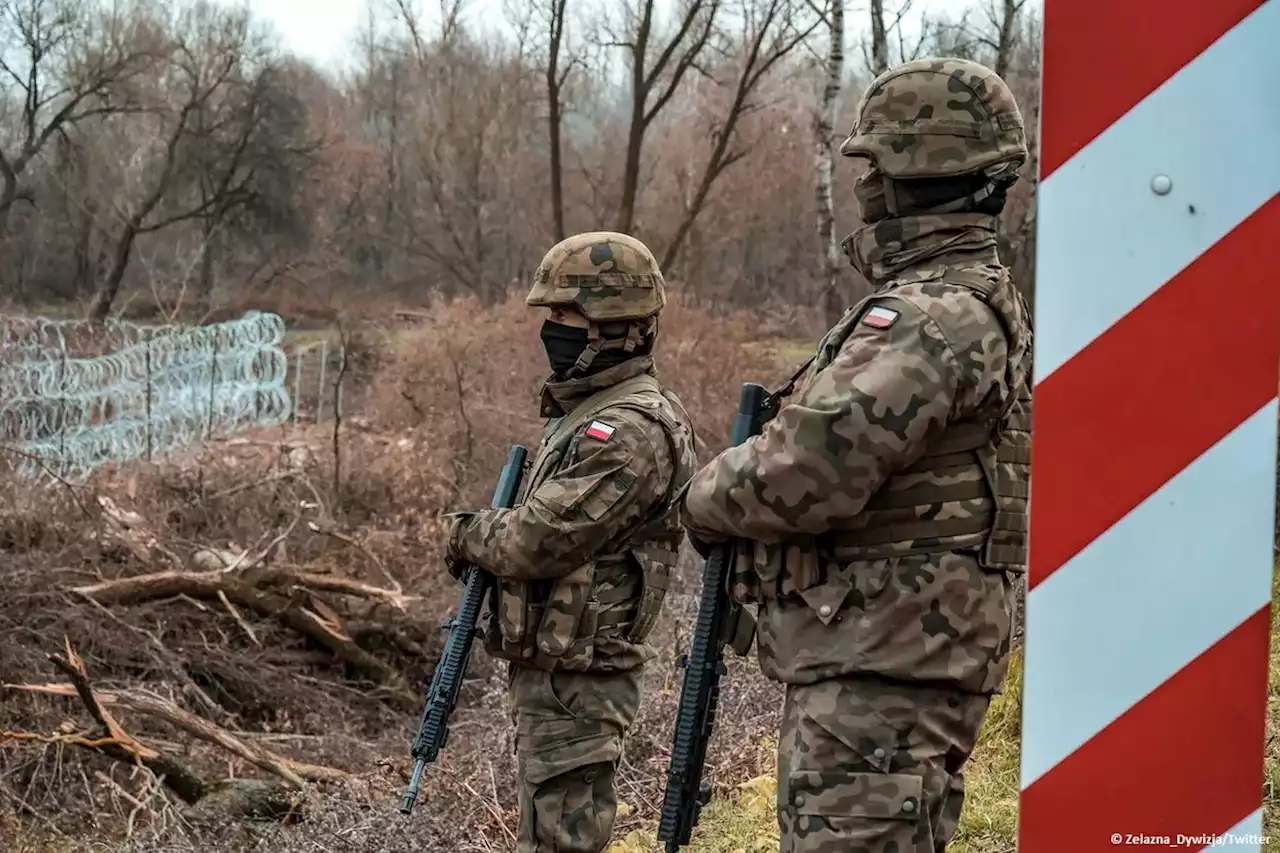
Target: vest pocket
<point x="655" y="575"/>
<point x="513" y="616"/>
<point x="582" y="649"/>
<point x="569" y="613"/>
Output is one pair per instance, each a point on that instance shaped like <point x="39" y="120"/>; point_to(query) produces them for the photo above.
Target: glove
<point x="455" y="558"/>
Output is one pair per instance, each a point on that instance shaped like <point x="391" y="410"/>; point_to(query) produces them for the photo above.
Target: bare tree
<point x="824" y="139"/>
<point x="446" y="147"/>
<point x="1004" y="28"/>
<point x="888" y="44"/>
<point x="215" y="153"/>
<point x="879" y="61"/>
<point x="654" y="84"/>
<point x="1022" y="73"/>
<point x="248" y="155"/>
<point x="771" y="30"/>
<point x="467" y="107"/>
<point x="61" y="63"/>
<point x="556" y="76"/>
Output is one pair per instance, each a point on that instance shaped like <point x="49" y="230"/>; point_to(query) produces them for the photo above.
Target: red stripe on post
<point x="1102" y="57"/>
<point x="1173" y="764"/>
<point x="1124" y="416"/>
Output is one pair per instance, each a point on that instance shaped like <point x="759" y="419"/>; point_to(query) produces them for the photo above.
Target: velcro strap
<point x="962" y="437"/>
<point x="614" y="618"/>
<point x="617" y="594"/>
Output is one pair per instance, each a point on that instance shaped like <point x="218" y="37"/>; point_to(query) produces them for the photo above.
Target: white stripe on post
<point x="1105" y="241"/>
<point x="1081" y="680"/>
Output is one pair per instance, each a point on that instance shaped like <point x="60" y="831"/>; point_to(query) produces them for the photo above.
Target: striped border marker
<point x="1153" y="486"/>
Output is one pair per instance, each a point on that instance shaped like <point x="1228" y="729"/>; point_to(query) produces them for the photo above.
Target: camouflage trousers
<point x="569" y="731"/>
<point x="871" y="766"/>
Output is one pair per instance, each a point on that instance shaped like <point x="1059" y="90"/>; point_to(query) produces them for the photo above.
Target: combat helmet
<point x="612" y="279"/>
<point x="939" y="118"/>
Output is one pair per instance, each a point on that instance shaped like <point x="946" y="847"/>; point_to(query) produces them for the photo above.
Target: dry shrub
<point x="431" y="404"/>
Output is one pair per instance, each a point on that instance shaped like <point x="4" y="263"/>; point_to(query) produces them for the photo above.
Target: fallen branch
<point x="293" y="772"/>
<point x="111" y="740"/>
<point x="214" y="586"/>
<point x="238" y="797"/>
<point x="238" y="581"/>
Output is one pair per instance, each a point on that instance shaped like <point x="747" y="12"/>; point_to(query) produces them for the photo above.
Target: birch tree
<point x="824" y="137"/>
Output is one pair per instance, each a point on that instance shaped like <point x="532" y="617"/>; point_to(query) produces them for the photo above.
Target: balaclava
<point x="564" y="344"/>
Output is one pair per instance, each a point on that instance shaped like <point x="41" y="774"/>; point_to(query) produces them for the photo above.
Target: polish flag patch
<point x="880" y="317"/>
<point x="600" y="431"/>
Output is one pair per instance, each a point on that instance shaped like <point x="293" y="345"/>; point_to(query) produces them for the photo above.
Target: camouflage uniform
<point x="584" y="559"/>
<point x="886" y="507"/>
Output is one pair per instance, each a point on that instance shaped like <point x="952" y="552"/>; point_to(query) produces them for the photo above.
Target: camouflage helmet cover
<point x="605" y="276"/>
<point x="937" y="118"/>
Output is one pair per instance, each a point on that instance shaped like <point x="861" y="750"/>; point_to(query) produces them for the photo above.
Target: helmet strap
<point x="596" y="343"/>
<point x="890" y="196"/>
<point x="589" y="353"/>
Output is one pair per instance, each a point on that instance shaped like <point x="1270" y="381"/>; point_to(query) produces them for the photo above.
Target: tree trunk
<point x="109" y="288"/>
<point x="833" y="301"/>
<point x="631" y="171"/>
<point x="1007" y="39"/>
<point x="554" y="118"/>
<point x="8" y="197"/>
<point x="208" y="258"/>
<point x="879" y="39"/>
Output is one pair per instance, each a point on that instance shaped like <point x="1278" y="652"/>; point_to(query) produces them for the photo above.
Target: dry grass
<point x="431" y="404"/>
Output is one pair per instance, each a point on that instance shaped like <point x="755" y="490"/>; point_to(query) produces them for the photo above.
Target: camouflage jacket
<point x="584" y="559"/>
<point x="886" y="505"/>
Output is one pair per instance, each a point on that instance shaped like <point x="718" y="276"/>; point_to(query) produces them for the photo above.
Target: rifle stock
<point x="446" y="683"/>
<point x="720" y="622"/>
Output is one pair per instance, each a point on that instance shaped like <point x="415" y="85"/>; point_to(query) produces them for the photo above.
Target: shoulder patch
<point x="600" y="431"/>
<point x="880" y="317"/>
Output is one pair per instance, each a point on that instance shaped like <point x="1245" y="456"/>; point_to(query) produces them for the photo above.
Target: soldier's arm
<point x="874" y="409"/>
<point x="607" y="486"/>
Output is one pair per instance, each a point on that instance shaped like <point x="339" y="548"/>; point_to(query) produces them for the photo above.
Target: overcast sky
<point x="324" y="30"/>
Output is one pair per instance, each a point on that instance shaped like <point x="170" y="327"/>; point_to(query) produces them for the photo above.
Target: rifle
<point x="721" y="622"/>
<point x="442" y="695"/>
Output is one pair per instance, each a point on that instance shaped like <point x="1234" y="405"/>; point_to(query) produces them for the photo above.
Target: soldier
<point x="886" y="507"/>
<point x="583" y="560"/>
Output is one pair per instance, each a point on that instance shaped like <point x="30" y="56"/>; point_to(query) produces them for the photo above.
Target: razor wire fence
<point x="75" y="395"/>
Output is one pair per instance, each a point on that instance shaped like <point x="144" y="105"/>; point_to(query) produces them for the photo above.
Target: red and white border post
<point x="1154" y="444"/>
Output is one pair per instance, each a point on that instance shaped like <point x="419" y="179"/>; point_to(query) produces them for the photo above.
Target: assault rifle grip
<point x="717" y="617"/>
<point x="446" y="682"/>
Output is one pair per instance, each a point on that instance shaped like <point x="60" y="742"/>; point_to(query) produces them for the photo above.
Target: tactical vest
<point x="970" y="488"/>
<point x="595" y="617"/>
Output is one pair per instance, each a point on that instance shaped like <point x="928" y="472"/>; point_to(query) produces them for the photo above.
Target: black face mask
<point x="563" y="345"/>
